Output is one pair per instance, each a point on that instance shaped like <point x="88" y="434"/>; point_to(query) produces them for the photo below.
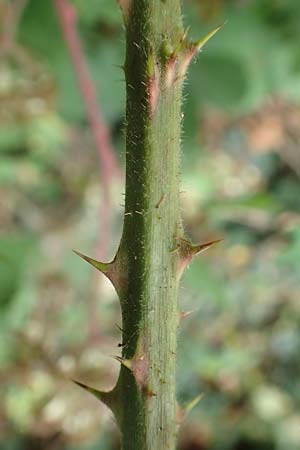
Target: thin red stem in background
<point x="107" y="159"/>
<point x="10" y="21"/>
<point x="108" y="163"/>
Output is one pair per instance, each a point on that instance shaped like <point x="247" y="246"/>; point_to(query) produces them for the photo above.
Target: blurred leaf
<point x="219" y="79"/>
<point x="14" y="251"/>
<point x="12" y="138"/>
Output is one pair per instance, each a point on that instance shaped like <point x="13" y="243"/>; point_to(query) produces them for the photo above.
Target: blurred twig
<point x="68" y="18"/>
<point x="108" y="163"/>
<point x="10" y="20"/>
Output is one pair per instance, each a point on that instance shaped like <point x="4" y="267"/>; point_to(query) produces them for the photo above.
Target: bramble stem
<point x="151" y="225"/>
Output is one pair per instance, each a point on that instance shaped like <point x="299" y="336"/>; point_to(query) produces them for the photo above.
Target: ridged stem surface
<point x="151" y="226"/>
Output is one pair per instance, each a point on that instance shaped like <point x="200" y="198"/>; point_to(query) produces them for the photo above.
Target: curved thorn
<point x="105" y="397"/>
<point x="192" y="48"/>
<point x="115" y="270"/>
<point x="111" y="399"/>
<point x="102" y="267"/>
<point x="125" y="362"/>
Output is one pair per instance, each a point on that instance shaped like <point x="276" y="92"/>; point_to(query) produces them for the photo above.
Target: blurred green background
<point x="240" y="180"/>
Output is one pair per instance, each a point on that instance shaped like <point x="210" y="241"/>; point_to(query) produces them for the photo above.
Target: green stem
<point x="151" y="226"/>
<point x="153" y="251"/>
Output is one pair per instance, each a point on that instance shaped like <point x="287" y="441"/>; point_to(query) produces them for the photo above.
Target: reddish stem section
<point x="109" y="165"/>
<point x="10" y="21"/>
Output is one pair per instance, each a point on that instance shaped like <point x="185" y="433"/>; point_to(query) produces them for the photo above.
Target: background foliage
<point x="241" y="167"/>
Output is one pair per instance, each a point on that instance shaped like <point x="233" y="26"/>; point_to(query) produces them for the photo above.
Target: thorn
<point x="111" y="399"/>
<point x="102" y="267"/>
<point x="187" y="251"/>
<point x="138" y="365"/>
<point x="88" y="388"/>
<point x="113" y="270"/>
<point x="200" y="44"/>
<point x="184" y="314"/>
<point x="125" y="362"/>
<point x="195" y="47"/>
<point x="103" y="396"/>
<point x="199" y="248"/>
<point x="119" y="328"/>
<point x="192" y="404"/>
<point x="183" y="411"/>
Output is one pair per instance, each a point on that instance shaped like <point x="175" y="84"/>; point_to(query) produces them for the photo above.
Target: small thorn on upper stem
<point x="187" y="249"/>
<point x="193" y="48"/>
<point x="198" y="45"/>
